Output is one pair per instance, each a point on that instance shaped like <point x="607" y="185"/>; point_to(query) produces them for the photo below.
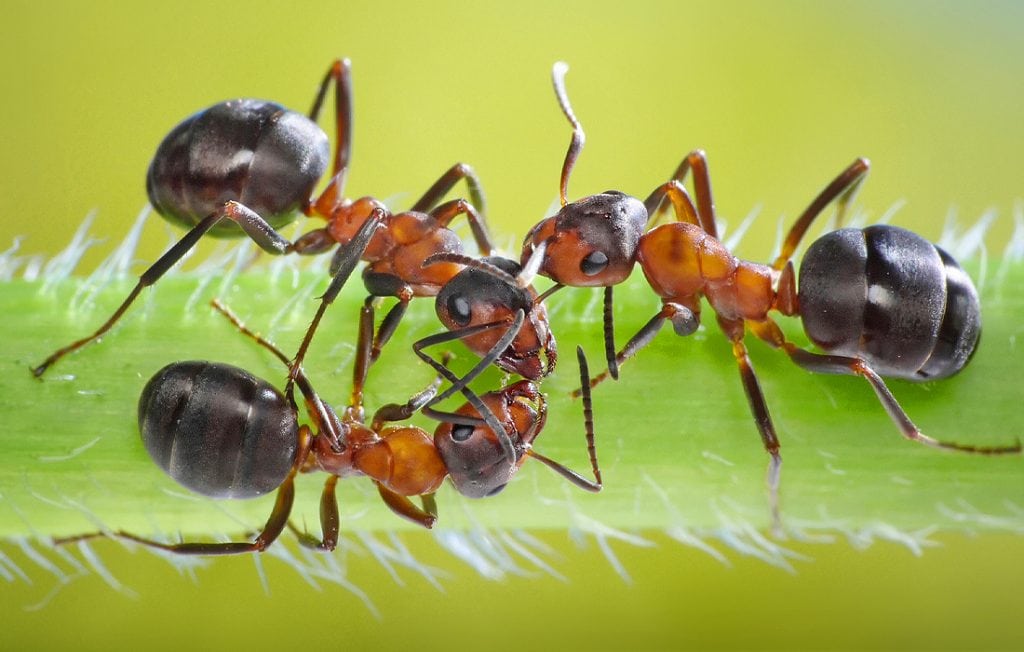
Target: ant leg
<point x="697" y="161"/>
<point x="684" y="321"/>
<point x="340" y="73"/>
<point x="404" y="507"/>
<point x="342" y="266"/>
<point x="578" y="137"/>
<point x="325" y="418"/>
<point x="448" y="211"/>
<point x="276" y="523"/>
<point x="361" y="367"/>
<point x="389" y="324"/>
<point x="332" y="195"/>
<point x="675" y="192"/>
<point x="759" y="408"/>
<point x="393" y="412"/>
<point x="588" y="424"/>
<point x="330" y="521"/>
<point x="836" y="364"/>
<point x="254" y="226"/>
<point x="842" y="189"/>
<point x="368" y="345"/>
<point x="446" y="182"/>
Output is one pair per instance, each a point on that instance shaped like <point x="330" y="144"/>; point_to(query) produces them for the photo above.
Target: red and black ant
<point x="221" y="432"/>
<point x="249" y="167"/>
<point x="879" y="300"/>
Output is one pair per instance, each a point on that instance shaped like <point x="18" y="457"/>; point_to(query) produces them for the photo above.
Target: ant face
<point x="473" y="455"/>
<point x="475" y="297"/>
<point x="591" y="242"/>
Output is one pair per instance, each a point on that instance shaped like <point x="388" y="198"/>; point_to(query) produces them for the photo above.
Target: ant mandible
<point x="879" y="301"/>
<point x="249" y="167"/>
<point x="257" y="445"/>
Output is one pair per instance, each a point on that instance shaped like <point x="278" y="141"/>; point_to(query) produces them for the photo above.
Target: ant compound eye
<point x="460" y="310"/>
<point x="594" y="263"/>
<point x="462" y="432"/>
<point x="496" y="490"/>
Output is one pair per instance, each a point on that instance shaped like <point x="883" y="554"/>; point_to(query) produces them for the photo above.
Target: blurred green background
<point x="782" y="96"/>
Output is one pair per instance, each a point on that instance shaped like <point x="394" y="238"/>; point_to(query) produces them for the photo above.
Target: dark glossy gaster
<point x="249" y="167"/>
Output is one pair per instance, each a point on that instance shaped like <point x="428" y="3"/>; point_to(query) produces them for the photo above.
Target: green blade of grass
<point x="676" y="441"/>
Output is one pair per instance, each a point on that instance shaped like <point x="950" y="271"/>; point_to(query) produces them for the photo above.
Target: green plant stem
<point x="676" y="441"/>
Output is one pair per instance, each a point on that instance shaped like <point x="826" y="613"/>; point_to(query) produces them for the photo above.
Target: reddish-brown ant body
<point x="222" y="432"/>
<point x="879" y="300"/>
<point x="248" y="167"/>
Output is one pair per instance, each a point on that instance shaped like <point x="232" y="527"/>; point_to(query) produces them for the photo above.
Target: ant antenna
<point x="578" y="137"/>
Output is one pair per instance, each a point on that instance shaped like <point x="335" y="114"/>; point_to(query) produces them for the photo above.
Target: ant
<point x="223" y="433"/>
<point x="878" y="301"/>
<point x="249" y="167"/>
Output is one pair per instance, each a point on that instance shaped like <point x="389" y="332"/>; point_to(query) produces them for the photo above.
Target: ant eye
<point x="496" y="490"/>
<point x="594" y="263"/>
<point x="459" y="309"/>
<point x="462" y="432"/>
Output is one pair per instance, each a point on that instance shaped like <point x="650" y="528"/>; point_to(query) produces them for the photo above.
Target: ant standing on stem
<point x="223" y="433"/>
<point x="249" y="167"/>
<point x="879" y="300"/>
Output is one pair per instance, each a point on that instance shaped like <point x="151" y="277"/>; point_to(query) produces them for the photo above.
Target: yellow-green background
<point x="782" y="96"/>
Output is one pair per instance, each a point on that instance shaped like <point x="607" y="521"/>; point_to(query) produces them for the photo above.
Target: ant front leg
<point x="330" y="520"/>
<point x="405" y="508"/>
<point x="393" y="412"/>
<point x="684" y="321"/>
<point x="251" y="223"/>
<point x="837" y="364"/>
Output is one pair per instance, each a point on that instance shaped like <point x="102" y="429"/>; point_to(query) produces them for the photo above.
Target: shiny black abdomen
<point x="891" y="298"/>
<point x="217" y="429"/>
<point x="257" y="153"/>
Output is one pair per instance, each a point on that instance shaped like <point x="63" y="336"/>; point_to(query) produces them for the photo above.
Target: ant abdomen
<point x="891" y="298"/>
<point x="252" y="151"/>
<point x="217" y="429"/>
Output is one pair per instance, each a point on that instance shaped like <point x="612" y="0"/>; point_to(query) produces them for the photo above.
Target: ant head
<point x="473" y="454"/>
<point x="591" y="242"/>
<point x="488" y="291"/>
